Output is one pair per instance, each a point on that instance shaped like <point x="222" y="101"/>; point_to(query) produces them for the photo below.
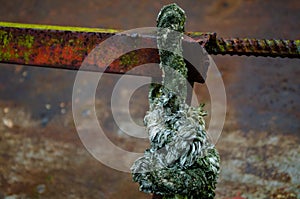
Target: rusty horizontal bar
<point x="67" y="47"/>
<point x="253" y="47"/>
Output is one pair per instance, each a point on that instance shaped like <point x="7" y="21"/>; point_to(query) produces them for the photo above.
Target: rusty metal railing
<point x="67" y="47"/>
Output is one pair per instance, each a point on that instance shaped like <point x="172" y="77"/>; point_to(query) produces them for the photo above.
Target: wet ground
<point x="41" y="155"/>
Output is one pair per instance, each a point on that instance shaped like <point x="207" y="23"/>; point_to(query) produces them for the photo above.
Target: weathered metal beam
<point x="67" y="47"/>
<point x="253" y="47"/>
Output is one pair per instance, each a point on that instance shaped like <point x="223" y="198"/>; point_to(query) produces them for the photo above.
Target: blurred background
<point x="41" y="155"/>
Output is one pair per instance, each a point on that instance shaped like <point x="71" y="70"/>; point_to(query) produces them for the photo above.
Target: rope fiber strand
<point x="181" y="163"/>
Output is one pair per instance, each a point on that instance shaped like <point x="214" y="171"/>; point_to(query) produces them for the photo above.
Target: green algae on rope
<point x="181" y="163"/>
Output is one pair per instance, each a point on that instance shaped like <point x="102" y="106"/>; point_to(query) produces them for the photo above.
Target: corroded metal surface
<point x="256" y="47"/>
<point x="67" y="47"/>
<point x="46" y="47"/>
<point x="54" y="47"/>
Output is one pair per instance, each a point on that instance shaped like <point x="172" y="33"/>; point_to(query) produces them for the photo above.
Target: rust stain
<point x="253" y="47"/>
<point x="60" y="47"/>
<point x="67" y="48"/>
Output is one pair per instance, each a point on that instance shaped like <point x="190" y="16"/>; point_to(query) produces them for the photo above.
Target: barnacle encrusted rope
<point x="181" y="162"/>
